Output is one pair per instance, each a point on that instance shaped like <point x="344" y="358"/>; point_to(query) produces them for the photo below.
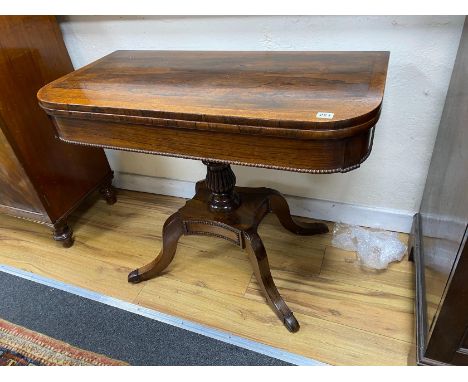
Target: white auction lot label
<point x="323" y="115"/>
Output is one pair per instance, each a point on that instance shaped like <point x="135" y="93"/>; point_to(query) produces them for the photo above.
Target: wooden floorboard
<point x="349" y="315"/>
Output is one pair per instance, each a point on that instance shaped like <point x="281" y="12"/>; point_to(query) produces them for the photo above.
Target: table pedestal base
<point x="233" y="213"/>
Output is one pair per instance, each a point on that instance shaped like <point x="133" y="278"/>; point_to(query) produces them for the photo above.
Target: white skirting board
<point x="392" y="220"/>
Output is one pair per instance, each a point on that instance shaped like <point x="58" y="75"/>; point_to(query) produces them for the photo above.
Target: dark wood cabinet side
<point x="17" y="192"/>
<point x="439" y="239"/>
<point x="58" y="175"/>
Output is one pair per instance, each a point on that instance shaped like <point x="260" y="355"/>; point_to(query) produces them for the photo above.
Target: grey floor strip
<point x="168" y="319"/>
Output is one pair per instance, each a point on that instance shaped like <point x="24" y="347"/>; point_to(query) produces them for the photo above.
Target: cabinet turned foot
<point x="64" y="234"/>
<point x="108" y="193"/>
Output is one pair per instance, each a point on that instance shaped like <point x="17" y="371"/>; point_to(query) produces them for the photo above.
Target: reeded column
<point x="220" y="180"/>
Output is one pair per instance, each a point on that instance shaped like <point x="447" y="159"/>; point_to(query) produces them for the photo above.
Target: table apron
<point x="298" y="155"/>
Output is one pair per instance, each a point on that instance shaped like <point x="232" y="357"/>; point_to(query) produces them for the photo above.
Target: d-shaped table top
<point x="221" y="102"/>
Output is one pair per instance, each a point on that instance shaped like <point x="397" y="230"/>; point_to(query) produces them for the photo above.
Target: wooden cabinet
<point x="439" y="238"/>
<point x="41" y="178"/>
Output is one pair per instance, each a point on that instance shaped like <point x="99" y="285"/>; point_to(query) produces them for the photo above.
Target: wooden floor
<point x="348" y="315"/>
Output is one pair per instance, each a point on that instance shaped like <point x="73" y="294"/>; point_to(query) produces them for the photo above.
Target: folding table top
<point x="287" y="90"/>
<point x="297" y="111"/>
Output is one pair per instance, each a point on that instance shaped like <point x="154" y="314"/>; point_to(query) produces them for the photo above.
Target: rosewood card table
<point x="311" y="112"/>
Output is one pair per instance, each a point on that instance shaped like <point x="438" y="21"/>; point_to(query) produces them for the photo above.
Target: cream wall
<point x="422" y="50"/>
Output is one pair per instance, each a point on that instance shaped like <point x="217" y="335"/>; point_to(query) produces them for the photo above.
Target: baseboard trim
<point x="392" y="220"/>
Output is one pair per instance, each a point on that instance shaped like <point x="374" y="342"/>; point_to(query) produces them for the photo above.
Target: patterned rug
<point x="23" y="347"/>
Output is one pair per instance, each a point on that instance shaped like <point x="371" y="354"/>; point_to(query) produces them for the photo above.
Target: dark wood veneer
<point x="313" y="156"/>
<point x="281" y="90"/>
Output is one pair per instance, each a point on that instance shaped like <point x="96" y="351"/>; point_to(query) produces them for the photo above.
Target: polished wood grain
<point x="41" y="178"/>
<point x="252" y="108"/>
<point x="265" y="89"/>
<point x="312" y="156"/>
<point x="348" y="315"/>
